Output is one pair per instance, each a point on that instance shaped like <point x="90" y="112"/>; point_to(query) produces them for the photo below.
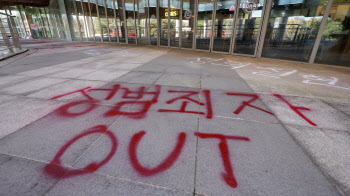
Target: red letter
<point x="296" y="109"/>
<point x="247" y="103"/>
<point x="64" y="110"/>
<point x="82" y="91"/>
<point x="161" y="167"/>
<point x="225" y="154"/>
<point x="56" y="170"/>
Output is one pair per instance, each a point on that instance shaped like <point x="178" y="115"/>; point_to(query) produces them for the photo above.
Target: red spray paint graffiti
<point x="65" y="109"/>
<point x="187" y="97"/>
<point x="248" y="103"/>
<point x="296" y="109"/>
<point x="167" y="163"/>
<point x="56" y="170"/>
<point x="225" y="154"/>
<point x="139" y="94"/>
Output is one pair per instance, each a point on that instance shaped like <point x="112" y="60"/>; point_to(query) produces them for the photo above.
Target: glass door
<point x="163" y="21"/>
<point x="204" y="24"/>
<point x="223" y="25"/>
<point x="142" y="22"/>
<point x="174" y="22"/>
<point x="187" y="23"/>
<point x="153" y="30"/>
<point x="130" y="21"/>
<point x="248" y="26"/>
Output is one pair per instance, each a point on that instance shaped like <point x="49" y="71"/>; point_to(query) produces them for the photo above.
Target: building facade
<point x="313" y="31"/>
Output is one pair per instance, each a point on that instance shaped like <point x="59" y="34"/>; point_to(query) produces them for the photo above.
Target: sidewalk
<point x="104" y="119"/>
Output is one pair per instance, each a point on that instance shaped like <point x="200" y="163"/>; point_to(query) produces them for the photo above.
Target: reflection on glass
<point x="292" y="29"/>
<point x="103" y="20"/>
<point x="111" y="21"/>
<point x="335" y="43"/>
<point x="88" y="21"/>
<point x="153" y="21"/>
<point x="45" y="22"/>
<point x="129" y="14"/>
<point x="95" y="21"/>
<point x="81" y="19"/>
<point x="142" y="21"/>
<point x="248" y="24"/>
<point x="35" y="22"/>
<point x="25" y="21"/>
<point x="163" y="21"/>
<point x="204" y="24"/>
<point x="121" y="20"/>
<point x="187" y="23"/>
<point x="174" y="22"/>
<point x="223" y="25"/>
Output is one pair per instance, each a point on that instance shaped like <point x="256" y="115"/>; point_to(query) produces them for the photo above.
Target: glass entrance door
<point x="142" y="22"/>
<point x="247" y="27"/>
<point x="204" y="24"/>
<point x="223" y="25"/>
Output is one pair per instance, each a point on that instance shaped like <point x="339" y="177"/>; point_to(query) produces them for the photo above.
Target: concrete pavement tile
<point x="224" y="105"/>
<point x="94" y="65"/>
<point x="5" y="98"/>
<point x="271" y="163"/>
<point x="30" y="86"/>
<point x="341" y="105"/>
<point x="94" y="184"/>
<point x="161" y="136"/>
<point x="66" y="87"/>
<point x="72" y="73"/>
<point x="43" y="139"/>
<point x="124" y="66"/>
<point x="104" y="75"/>
<point x="224" y="83"/>
<point x="20" y="112"/>
<point x="329" y="149"/>
<point x="272" y="85"/>
<point x="23" y="177"/>
<point x="151" y="67"/>
<point x="139" y="77"/>
<point x="219" y="69"/>
<point x="185" y="69"/>
<point x="70" y="64"/>
<point x="7" y="80"/>
<point x="42" y="71"/>
<point x="320" y="114"/>
<point x="183" y="80"/>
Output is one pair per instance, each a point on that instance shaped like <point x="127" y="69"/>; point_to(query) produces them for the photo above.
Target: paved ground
<point x="105" y="119"/>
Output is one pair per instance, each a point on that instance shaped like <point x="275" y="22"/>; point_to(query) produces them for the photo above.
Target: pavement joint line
<point x="301" y="147"/>
<point x="333" y="107"/>
<point x="140" y="182"/>
<point x="196" y="154"/>
<point x="98" y="139"/>
<point x="25" y="158"/>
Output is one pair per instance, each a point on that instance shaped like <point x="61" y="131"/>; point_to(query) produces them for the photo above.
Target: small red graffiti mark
<point x="225" y="154"/>
<point x="56" y="170"/>
<point x="296" y="109"/>
<point x="141" y="113"/>
<point x="167" y="163"/>
<point x="247" y="103"/>
<point x="187" y="97"/>
<point x="65" y="109"/>
<point x="82" y="91"/>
